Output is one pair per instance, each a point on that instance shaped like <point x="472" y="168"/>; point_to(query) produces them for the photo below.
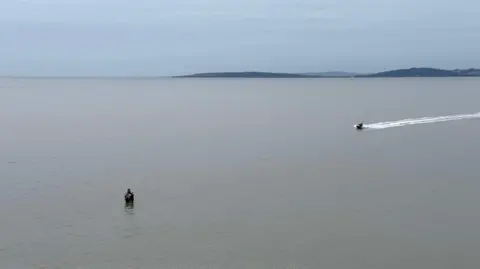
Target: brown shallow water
<point x="232" y="173"/>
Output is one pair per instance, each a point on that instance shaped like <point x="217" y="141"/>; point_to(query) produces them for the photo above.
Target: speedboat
<point x="359" y="126"/>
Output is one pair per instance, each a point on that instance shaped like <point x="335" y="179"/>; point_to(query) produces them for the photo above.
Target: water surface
<point x="238" y="173"/>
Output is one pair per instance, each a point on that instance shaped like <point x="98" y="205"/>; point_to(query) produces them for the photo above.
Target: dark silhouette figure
<point x="129" y="197"/>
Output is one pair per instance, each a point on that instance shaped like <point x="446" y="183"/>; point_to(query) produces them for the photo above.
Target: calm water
<point x="234" y="173"/>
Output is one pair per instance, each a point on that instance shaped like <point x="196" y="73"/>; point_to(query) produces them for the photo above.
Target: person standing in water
<point x="129" y="196"/>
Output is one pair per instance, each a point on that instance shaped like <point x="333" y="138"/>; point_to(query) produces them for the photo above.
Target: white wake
<point x="424" y="120"/>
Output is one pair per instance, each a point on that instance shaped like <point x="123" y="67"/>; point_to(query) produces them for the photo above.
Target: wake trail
<point x="424" y="120"/>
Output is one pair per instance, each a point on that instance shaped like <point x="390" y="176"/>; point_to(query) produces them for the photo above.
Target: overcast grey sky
<point x="157" y="37"/>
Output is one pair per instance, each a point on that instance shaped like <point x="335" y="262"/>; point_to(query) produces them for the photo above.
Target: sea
<point x="240" y="173"/>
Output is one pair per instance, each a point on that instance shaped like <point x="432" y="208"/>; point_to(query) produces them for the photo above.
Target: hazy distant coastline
<point x="267" y="75"/>
<point x="411" y="72"/>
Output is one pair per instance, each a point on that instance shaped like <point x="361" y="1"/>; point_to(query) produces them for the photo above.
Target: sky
<point x="163" y="38"/>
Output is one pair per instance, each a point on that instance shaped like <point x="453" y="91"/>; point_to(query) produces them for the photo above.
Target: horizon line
<point x="211" y="72"/>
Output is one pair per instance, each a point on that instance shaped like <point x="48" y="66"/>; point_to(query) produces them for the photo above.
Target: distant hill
<point x="425" y="72"/>
<point x="411" y="72"/>
<point x="243" y="75"/>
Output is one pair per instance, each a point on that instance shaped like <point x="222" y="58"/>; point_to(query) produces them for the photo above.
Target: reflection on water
<point x="129" y="208"/>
